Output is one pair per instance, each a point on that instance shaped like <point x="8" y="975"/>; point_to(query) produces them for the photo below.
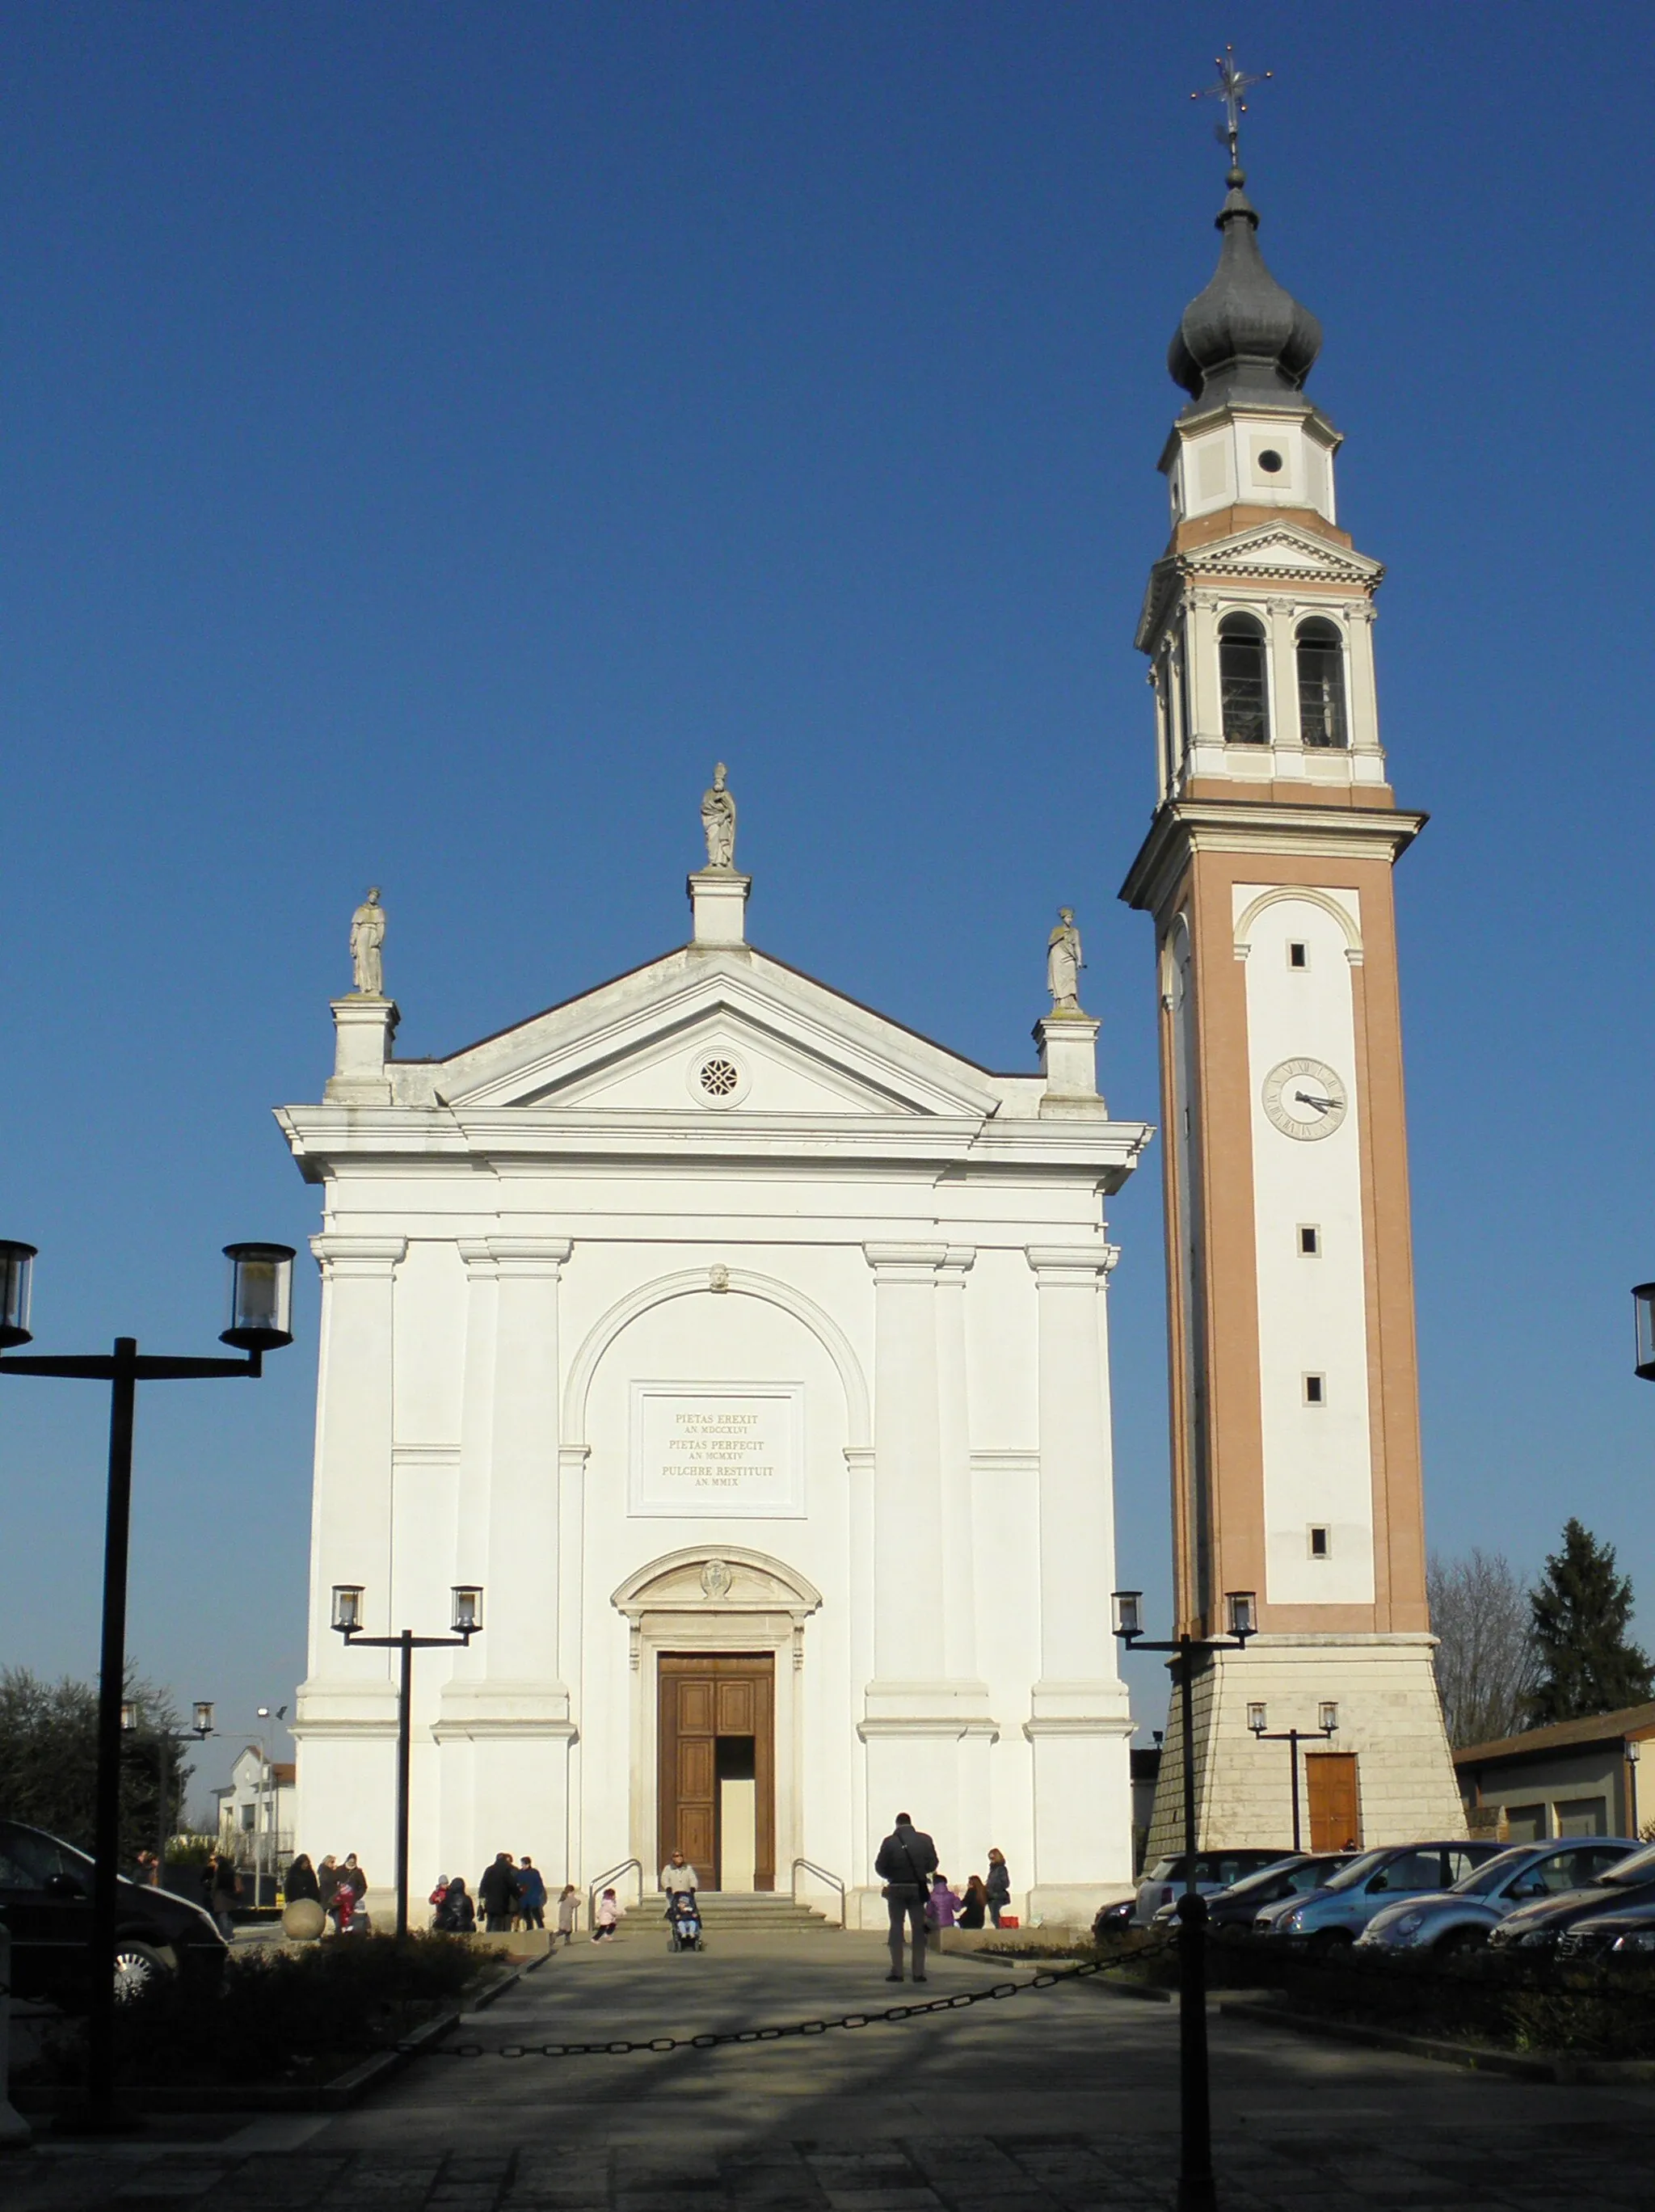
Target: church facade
<point x="750" y="1354"/>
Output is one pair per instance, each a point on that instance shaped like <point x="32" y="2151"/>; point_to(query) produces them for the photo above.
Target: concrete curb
<point x="1524" y="2066"/>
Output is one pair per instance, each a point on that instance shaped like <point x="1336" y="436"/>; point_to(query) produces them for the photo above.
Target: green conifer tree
<point x="1581" y="1608"/>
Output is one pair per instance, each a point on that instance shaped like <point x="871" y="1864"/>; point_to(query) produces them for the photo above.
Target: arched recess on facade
<point x="732" y="1282"/>
<point x="1309" y="896"/>
<point x="727" y="1577"/>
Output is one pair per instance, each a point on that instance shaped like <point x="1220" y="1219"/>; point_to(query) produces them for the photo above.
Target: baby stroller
<point x="684" y="1921"/>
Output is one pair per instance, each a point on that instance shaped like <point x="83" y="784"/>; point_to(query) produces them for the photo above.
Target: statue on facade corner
<point x="367" y="937"/>
<point x="1064" y="963"/>
<point x="718" y="821"/>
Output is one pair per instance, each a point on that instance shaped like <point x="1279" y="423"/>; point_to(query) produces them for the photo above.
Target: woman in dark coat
<point x="301" y="1882"/>
<point x="974" y="1906"/>
<point x="457" y="1915"/>
<point x="998" y="1886"/>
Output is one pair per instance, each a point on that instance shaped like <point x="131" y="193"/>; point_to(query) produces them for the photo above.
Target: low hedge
<point x="1508" y="2001"/>
<point x="282" y="2016"/>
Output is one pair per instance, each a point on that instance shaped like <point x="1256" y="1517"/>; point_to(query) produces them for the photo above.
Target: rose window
<point x="720" y="1078"/>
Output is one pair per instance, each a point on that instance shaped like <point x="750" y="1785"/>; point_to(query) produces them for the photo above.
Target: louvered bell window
<point x="1321" y="685"/>
<point x="1241" y="680"/>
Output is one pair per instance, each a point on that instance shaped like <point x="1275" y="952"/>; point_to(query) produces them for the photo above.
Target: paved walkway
<point x="1062" y="2098"/>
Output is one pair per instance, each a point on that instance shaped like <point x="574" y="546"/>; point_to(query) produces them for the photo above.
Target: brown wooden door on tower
<point x="712" y="1708"/>
<point x="1336" y="1817"/>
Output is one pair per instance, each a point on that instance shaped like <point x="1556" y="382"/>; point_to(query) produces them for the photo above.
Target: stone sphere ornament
<point x="304" y="1920"/>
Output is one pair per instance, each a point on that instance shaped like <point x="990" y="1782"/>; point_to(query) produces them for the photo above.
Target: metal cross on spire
<point x="1232" y="87"/>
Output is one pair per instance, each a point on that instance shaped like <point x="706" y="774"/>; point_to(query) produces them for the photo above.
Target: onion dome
<point x="1246" y="337"/>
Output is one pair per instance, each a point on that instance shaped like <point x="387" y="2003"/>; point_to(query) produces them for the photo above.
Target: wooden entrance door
<point x="705" y="1702"/>
<point x="1335" y="1818"/>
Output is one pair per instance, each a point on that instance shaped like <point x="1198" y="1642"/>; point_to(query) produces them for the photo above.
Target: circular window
<point x="1271" y="462"/>
<point x="716" y="1076"/>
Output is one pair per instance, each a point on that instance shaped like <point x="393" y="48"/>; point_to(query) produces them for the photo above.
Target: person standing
<point x="497" y="1893"/>
<point x="224" y="1889"/>
<point x="568" y="1913"/>
<point x="973" y="1905"/>
<point x="301" y="1882"/>
<point x="457" y="1915"/>
<point x="906" y="1860"/>
<point x="998" y="1886"/>
<point x="532" y="1893"/>
<point x="678" y="1874"/>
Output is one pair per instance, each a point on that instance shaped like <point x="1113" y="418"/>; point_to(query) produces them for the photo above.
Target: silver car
<point x="1163" y="1882"/>
<point x="1459" y="1919"/>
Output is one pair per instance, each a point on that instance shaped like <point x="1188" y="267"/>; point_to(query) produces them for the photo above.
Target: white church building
<point x="750" y="1352"/>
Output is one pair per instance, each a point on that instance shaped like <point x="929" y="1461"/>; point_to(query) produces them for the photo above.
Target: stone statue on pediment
<point x="718" y="821"/>
<point x="1064" y="963"/>
<point x="367" y="937"/>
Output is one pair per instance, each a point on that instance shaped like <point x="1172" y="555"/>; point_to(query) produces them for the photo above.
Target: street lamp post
<point x="467" y="1622"/>
<point x="1258" y="1721"/>
<point x="265" y="1803"/>
<point x="167" y="1741"/>
<point x="1196" y="2188"/>
<point x="261" y="1299"/>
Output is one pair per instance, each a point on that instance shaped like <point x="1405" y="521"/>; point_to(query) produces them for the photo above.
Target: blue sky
<point x="434" y="434"/>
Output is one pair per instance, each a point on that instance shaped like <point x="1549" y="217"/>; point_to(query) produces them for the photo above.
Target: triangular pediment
<point x="1270" y="551"/>
<point x="1280" y="550"/>
<point x="713" y="1033"/>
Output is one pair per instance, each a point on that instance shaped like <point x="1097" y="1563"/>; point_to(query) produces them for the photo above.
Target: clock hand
<point x="1321" y="1105"/>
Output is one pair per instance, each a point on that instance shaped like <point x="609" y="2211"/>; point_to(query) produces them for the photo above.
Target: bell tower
<point x="1268" y="870"/>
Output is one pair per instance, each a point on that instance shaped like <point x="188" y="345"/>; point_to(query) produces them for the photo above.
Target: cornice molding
<point x="1183" y="827"/>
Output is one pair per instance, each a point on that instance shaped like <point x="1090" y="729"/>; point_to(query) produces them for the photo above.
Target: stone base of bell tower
<point x="1389" y="1718"/>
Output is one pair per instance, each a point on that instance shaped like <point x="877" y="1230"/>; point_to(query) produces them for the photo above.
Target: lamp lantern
<point x="1643" y="1308"/>
<point x="1244" y="1613"/>
<point x="1327" y="1717"/>
<point x="129" y="1717"/>
<point x="1129" y="1617"/>
<point x="1258" y="1719"/>
<point x="203" y="1716"/>
<point x="347" y="1608"/>
<point x="1634" y="1750"/>
<point x="467" y="1609"/>
<point x="261" y="1296"/>
<point x="16" y="1277"/>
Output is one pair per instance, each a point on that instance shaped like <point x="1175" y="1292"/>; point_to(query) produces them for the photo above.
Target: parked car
<point x="46" y="1901"/>
<point x="1164" y="1880"/>
<point x="1463" y="1917"/>
<point x="1336" y="1914"/>
<point x="1628" y="1891"/>
<point x="1237" y="1907"/>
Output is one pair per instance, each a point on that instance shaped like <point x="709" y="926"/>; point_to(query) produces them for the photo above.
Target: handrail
<point x="604" y="1881"/>
<point x="810" y="1867"/>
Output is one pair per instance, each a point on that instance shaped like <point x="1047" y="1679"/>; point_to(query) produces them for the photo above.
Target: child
<point x="608" y="1913"/>
<point x="568" y="1912"/>
<point x="941" y="1907"/>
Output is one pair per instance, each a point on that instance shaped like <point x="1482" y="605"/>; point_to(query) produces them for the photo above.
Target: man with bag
<point x="906" y="1861"/>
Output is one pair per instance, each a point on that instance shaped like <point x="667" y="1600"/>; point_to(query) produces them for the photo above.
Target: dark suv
<point x="46" y="1900"/>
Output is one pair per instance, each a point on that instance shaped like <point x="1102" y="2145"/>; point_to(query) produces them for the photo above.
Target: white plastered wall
<point x="1312" y="1317"/>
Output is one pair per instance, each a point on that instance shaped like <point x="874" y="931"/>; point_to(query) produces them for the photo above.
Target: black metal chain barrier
<point x="714" y="2039"/>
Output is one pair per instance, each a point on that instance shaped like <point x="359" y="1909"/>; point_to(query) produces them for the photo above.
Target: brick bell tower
<point x="1268" y="869"/>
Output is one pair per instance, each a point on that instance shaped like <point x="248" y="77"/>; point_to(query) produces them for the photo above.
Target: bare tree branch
<point x="1486" y="1659"/>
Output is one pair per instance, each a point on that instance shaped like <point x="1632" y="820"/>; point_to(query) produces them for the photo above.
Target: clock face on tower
<point x="1305" y="1098"/>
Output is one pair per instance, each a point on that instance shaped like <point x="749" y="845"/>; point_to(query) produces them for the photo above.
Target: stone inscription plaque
<point x="717" y="1451"/>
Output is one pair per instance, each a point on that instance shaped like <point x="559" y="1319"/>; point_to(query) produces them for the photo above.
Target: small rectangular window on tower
<point x="1316" y="1390"/>
<point x="1319" y="1543"/>
<point x="1298" y="953"/>
<point x="1310" y="1241"/>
